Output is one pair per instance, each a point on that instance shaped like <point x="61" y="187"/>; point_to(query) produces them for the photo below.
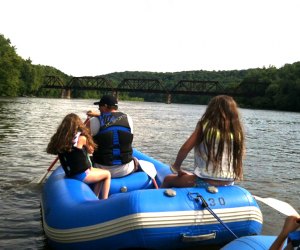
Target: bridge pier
<point x="169" y="99"/>
<point x="66" y="94"/>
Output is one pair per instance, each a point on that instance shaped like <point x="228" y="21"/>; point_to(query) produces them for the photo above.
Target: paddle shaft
<point x="52" y="164"/>
<point x="154" y="183"/>
<point x="48" y="170"/>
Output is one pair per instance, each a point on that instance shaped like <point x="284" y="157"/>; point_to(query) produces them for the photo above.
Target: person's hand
<point x="291" y="224"/>
<point x="92" y="113"/>
<point x="181" y="173"/>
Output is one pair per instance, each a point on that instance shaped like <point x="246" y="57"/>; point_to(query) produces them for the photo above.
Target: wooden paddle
<point x="280" y="206"/>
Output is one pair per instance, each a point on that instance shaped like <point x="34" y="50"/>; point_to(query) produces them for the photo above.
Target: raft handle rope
<point x="198" y="198"/>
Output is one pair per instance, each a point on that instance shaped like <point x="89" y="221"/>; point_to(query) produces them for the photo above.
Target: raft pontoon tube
<point x="136" y="215"/>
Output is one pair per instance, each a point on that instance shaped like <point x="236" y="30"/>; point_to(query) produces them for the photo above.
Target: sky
<point x="96" y="37"/>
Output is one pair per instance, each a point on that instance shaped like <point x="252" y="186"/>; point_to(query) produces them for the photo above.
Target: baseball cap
<point x="108" y="100"/>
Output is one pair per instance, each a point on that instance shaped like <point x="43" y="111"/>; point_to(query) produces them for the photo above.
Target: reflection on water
<point x="271" y="165"/>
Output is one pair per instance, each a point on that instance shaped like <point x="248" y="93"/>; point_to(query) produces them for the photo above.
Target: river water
<point x="271" y="167"/>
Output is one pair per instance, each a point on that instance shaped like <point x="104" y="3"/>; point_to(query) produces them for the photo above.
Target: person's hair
<point x="220" y="125"/>
<point x="111" y="107"/>
<point x="62" y="140"/>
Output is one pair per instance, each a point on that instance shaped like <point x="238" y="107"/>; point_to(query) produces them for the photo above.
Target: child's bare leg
<point x="106" y="186"/>
<point x="97" y="188"/>
<point x="97" y="175"/>
<point x="173" y="180"/>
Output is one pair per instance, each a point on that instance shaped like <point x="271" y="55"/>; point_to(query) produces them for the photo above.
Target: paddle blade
<point x="280" y="206"/>
<point x="149" y="168"/>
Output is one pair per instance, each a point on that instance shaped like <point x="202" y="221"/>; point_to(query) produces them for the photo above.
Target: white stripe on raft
<point x="151" y="220"/>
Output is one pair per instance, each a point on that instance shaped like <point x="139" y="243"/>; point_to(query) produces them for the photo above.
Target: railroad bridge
<point x="146" y="85"/>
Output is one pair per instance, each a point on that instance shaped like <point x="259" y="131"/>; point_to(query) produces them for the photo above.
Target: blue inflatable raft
<point x="136" y="215"/>
<point x="262" y="242"/>
<point x="259" y="242"/>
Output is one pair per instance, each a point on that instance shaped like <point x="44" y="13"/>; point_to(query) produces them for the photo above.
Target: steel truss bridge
<point x="184" y="87"/>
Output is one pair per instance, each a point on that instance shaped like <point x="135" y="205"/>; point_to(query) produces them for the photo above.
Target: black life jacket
<point x="74" y="162"/>
<point x="114" y="140"/>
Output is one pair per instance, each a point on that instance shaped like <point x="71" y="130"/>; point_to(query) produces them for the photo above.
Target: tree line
<point x="280" y="87"/>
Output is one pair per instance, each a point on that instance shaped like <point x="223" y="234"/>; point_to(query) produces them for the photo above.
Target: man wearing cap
<point x="113" y="132"/>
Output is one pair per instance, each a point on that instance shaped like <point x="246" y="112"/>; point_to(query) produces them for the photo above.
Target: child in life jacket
<point x="73" y="143"/>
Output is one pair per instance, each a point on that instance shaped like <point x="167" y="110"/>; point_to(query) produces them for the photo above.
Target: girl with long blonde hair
<point x="72" y="142"/>
<point x="218" y="143"/>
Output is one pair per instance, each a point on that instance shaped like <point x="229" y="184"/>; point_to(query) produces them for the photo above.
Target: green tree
<point x="10" y="65"/>
<point x="27" y="78"/>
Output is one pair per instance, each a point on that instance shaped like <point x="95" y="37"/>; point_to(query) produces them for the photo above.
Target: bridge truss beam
<point x="188" y="87"/>
<point x="90" y="83"/>
<point x="197" y="87"/>
<point x="141" y="85"/>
